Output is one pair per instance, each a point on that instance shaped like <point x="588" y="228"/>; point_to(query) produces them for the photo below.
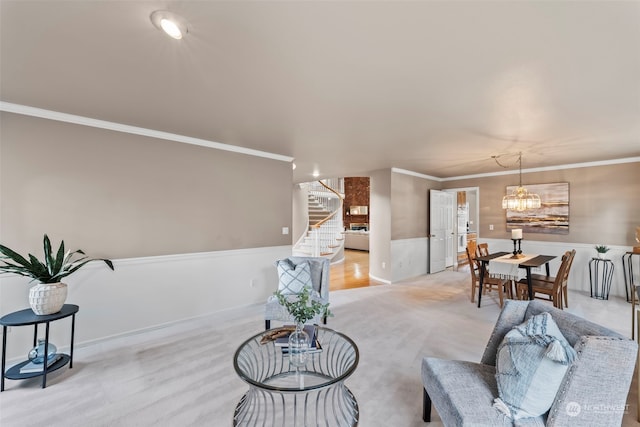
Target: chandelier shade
<point x="520" y="199"/>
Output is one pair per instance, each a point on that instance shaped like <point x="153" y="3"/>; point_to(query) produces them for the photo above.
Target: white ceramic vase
<point x="47" y="298"/>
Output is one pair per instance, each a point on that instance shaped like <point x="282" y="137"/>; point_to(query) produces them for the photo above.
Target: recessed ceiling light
<point x="173" y="25"/>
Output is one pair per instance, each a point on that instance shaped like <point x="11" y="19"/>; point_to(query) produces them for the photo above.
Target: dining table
<point x="508" y="266"/>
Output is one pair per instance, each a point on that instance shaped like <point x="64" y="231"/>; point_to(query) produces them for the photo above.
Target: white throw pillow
<point x="293" y="278"/>
<point x="530" y="365"/>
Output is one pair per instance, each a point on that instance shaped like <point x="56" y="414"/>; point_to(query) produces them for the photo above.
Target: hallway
<point x="352" y="273"/>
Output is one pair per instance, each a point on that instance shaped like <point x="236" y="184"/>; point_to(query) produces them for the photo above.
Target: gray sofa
<point x="597" y="383"/>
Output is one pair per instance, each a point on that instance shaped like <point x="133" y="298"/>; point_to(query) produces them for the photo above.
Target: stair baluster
<point x="325" y="231"/>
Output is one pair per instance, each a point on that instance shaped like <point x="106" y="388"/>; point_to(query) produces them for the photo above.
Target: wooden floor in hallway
<point x="352" y="273"/>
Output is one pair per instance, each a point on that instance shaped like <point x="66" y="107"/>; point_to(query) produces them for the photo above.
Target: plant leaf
<point x="57" y="266"/>
<point x="47" y="254"/>
<point x="14" y="256"/>
<point x="52" y="270"/>
<point x="108" y="262"/>
<point x="301" y="306"/>
<point x="39" y="270"/>
<point x="71" y="268"/>
<point x="15" y="269"/>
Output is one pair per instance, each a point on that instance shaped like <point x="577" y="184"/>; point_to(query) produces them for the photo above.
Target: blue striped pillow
<point x="530" y="365"/>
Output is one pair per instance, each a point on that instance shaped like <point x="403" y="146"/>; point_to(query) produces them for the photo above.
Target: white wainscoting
<point x="409" y="258"/>
<point x="147" y="293"/>
<point x="579" y="274"/>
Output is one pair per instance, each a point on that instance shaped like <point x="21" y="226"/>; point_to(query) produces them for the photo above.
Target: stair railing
<point x="327" y="233"/>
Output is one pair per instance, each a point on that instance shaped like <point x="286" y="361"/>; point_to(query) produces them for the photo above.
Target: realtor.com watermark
<point x="574" y="409"/>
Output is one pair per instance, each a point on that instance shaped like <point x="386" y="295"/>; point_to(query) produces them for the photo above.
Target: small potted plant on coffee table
<point x="302" y="307"/>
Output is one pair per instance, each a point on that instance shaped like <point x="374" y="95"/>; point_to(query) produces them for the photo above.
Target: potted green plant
<point x="602" y="250"/>
<point x="302" y="307"/>
<point x="49" y="295"/>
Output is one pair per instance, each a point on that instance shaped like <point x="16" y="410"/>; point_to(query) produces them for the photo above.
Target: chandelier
<point x="520" y="199"/>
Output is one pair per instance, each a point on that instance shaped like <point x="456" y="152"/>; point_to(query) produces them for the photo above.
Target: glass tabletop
<point x="266" y="366"/>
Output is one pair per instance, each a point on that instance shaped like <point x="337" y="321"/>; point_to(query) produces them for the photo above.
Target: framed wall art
<point x="552" y="217"/>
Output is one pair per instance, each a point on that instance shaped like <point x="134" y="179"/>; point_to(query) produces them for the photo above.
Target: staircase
<point x="317" y="212"/>
<point x="325" y="231"/>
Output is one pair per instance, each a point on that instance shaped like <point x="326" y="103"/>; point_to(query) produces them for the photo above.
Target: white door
<point x="441" y="236"/>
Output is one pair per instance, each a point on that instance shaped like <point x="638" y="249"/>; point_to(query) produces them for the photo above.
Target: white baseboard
<point x="377" y="279"/>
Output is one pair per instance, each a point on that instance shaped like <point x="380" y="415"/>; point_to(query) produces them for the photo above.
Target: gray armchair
<point x="320" y="281"/>
<point x="597" y="383"/>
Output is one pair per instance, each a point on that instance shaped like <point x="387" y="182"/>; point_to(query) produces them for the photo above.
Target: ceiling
<point x="343" y="87"/>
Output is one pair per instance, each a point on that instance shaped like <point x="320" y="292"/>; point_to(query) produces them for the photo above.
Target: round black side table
<point x="600" y="275"/>
<point x="26" y="318"/>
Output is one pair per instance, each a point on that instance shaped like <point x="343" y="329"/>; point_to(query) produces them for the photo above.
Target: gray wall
<point x="604" y="203"/>
<point x="192" y="230"/>
<point x="604" y="208"/>
<point x="119" y="195"/>
<point x="300" y="209"/>
<point x="410" y="205"/>
<point x="380" y="225"/>
<point x="409" y="225"/>
<point x="472" y="200"/>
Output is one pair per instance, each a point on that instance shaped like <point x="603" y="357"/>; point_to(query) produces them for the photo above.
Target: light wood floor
<point x="352" y="273"/>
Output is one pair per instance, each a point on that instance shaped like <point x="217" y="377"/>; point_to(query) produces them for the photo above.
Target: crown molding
<point x="416" y="174"/>
<point x="549" y="168"/>
<point x="515" y="172"/>
<point x="134" y="130"/>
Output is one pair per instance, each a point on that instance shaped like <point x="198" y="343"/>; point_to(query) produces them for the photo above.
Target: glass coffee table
<point x="281" y="394"/>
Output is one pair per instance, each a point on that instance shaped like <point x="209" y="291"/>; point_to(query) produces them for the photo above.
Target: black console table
<point x="28" y="317"/>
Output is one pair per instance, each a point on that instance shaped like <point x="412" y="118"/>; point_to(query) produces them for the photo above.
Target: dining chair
<point x="482" y="249"/>
<point x="545" y="289"/>
<point x="503" y="286"/>
<point x="565" y="280"/>
<point x="472" y="246"/>
<point x="473" y="267"/>
<point x="463" y="260"/>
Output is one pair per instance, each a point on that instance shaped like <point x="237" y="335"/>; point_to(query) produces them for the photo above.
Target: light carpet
<point x="182" y="375"/>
